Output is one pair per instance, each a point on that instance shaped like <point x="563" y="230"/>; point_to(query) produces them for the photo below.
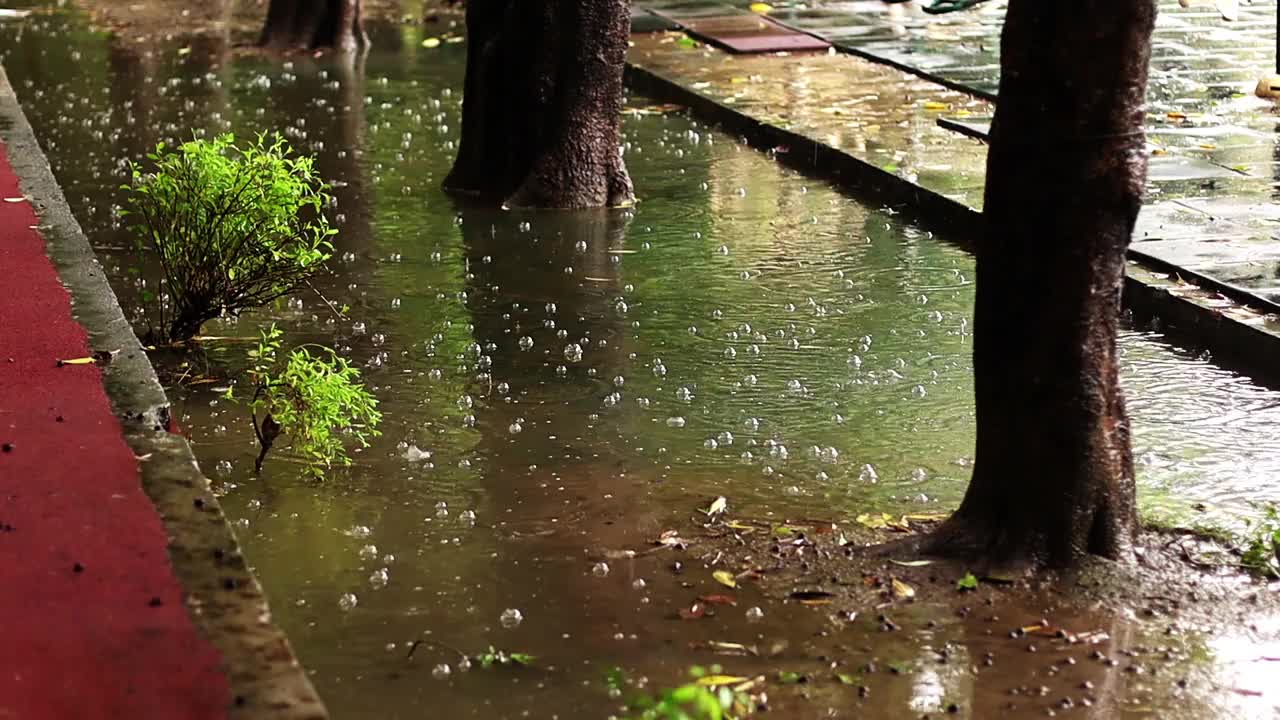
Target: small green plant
<point x="492" y="657"/>
<point x="233" y="228"/>
<point x="708" y="696"/>
<point x="1262" y="543"/>
<point x="313" y="398"/>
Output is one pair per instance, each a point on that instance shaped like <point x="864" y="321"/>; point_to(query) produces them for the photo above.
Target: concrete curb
<point x="1239" y="337"/>
<point x="223" y="597"/>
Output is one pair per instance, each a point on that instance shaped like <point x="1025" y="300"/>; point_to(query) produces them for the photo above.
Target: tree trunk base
<point x="541" y="116"/>
<point x="303" y="25"/>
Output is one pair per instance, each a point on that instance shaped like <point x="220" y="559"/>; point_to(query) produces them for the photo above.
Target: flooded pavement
<point x="1213" y="142"/>
<point x="560" y="388"/>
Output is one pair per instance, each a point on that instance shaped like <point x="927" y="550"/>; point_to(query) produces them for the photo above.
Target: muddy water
<point x="561" y="387"/>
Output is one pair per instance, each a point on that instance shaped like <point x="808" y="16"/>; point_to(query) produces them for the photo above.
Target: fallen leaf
<point x="727" y="648"/>
<point x="76" y="361"/>
<point x="847" y="679"/>
<point x="741" y="527"/>
<point x="912" y="563"/>
<point x="15" y="199"/>
<point x="718" y="680"/>
<point x="968" y="582"/>
<point x="718" y="600"/>
<point x="670" y="538"/>
<point x="902" y="591"/>
<point x="790" y="677"/>
<point x="811" y="595"/>
<point x="760" y="8"/>
<point x="694" y="612"/>
<point x="431" y="42"/>
<point x="718" y="506"/>
<point x="935" y="105"/>
<point x="724" y="577"/>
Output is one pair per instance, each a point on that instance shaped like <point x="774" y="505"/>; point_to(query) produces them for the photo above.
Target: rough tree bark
<point x="311" y="24"/>
<point x="541" y="115"/>
<point x="1053" y="474"/>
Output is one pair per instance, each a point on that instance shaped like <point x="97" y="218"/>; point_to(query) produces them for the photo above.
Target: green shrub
<point x="708" y="696"/>
<point x="1262" y="544"/>
<point x="312" y="399"/>
<point x="233" y="227"/>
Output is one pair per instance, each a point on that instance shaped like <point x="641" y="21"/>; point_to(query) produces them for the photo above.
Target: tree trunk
<point x="312" y="24"/>
<point x="541" y="116"/>
<point x="1053" y="474"/>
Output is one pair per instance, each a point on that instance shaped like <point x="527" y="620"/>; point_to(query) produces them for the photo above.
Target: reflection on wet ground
<point x="1213" y="142"/>
<point x="559" y="388"/>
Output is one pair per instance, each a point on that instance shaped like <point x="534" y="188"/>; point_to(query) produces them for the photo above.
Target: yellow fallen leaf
<point x="718" y="680"/>
<point x="902" y="591"/>
<point x="77" y="361"/>
<point x="431" y="42"/>
<point x="759" y="7"/>
<point x="935" y="105"/>
<point x="1176" y="116"/>
<point x="184" y="51"/>
<point x="724" y="577"/>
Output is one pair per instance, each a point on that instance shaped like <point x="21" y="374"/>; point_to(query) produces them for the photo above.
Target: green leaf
<point x="968" y="582"/>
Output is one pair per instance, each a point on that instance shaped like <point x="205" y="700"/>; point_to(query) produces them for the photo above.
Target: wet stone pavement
<point x="1215" y="150"/>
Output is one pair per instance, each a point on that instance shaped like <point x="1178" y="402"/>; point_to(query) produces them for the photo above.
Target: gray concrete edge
<point x="1239" y="337"/>
<point x="223" y="597"/>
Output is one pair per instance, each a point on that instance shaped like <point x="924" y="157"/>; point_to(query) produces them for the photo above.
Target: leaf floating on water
<point x="901" y="590"/>
<point x="784" y="531"/>
<point x="719" y="680"/>
<point x="740" y="527"/>
<point x="718" y="600"/>
<point x="968" y="582"/>
<point x="760" y="8"/>
<point x="726" y="648"/>
<point x="847" y="679"/>
<point x="431" y="42"/>
<point x="935" y="105"/>
<point x="912" y="563"/>
<point x="725" y="578"/>
<point x="76" y="361"/>
<point x="671" y="538"/>
<point x="718" y="506"/>
<point x="697" y="611"/>
<point x="811" y="595"/>
<point x="790" y="677"/>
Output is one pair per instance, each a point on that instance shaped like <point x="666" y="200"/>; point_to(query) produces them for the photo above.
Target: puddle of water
<point x="559" y="387"/>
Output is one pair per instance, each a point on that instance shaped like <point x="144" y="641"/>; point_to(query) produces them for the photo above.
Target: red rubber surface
<point x="113" y="640"/>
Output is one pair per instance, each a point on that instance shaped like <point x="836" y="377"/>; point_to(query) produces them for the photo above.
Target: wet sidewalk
<point x="919" y="89"/>
<point x="98" y="597"/>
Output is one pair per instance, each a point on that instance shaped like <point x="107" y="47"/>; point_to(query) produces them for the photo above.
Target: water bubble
<point x="855" y="362"/>
<point x="755" y="614"/>
<point x="358" y="328"/>
<point x="441" y="671"/>
<point x="379" y="578"/>
<point x="573" y="352"/>
<point x="347" y="602"/>
<point x="510" y="618"/>
<point x="467" y="517"/>
<point x="730" y="353"/>
<point x="725" y="438"/>
<point x="684" y="394"/>
<point x="223" y="468"/>
<point x="868" y="474"/>
<point x="919" y="474"/>
<point x="751" y="424"/>
<point x="368" y="552"/>
<point x="359" y="532"/>
<point x="675" y="422"/>
<point x="710" y="444"/>
<point x="918" y="391"/>
<point x="515" y="428"/>
<point x="600" y="569"/>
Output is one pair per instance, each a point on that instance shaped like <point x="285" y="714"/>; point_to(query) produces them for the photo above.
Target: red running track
<point x="92" y="620"/>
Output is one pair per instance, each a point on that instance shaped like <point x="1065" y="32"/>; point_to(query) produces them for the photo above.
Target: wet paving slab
<point x="1213" y="144"/>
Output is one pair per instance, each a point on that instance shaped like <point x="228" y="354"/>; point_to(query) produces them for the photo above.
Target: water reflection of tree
<point x="558" y="484"/>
